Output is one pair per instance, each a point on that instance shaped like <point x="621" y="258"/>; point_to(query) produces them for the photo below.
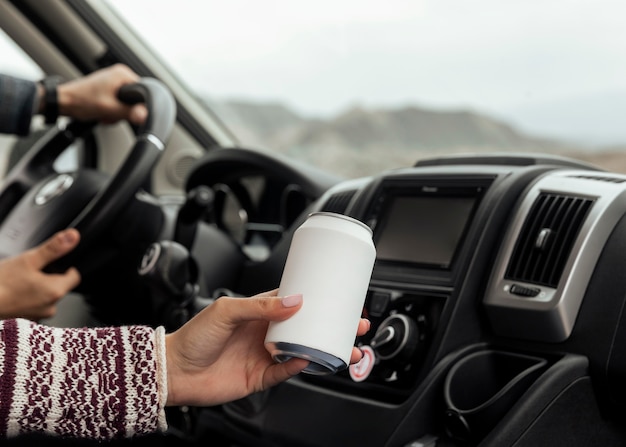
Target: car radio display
<point x="423" y="230"/>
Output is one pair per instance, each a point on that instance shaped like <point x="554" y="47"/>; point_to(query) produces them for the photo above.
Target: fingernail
<point x="292" y="300"/>
<point x="65" y="237"/>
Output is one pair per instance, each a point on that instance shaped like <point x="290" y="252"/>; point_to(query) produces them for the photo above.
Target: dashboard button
<point x="524" y="291"/>
<point x="378" y="303"/>
<point x="361" y="370"/>
<point x="397" y="336"/>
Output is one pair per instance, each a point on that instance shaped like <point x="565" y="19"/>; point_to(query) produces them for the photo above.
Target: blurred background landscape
<point x="359" y="86"/>
<point x="361" y="141"/>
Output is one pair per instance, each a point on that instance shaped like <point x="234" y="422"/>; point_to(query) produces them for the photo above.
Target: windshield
<point x="356" y="87"/>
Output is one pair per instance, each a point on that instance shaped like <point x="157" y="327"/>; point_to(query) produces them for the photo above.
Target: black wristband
<point x="51" y="100"/>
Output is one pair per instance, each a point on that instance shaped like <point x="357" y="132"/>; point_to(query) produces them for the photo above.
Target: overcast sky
<point x="514" y="57"/>
<point x="323" y="55"/>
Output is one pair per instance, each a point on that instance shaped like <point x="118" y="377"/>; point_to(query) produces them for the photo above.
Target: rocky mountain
<point x="407" y="128"/>
<point x="403" y="134"/>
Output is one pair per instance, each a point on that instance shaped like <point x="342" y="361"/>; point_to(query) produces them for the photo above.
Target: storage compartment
<point x="481" y="387"/>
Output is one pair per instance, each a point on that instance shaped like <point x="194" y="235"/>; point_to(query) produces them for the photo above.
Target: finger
<point x="280" y="372"/>
<point x="237" y="310"/>
<point x="54" y="248"/>
<point x="138" y="114"/>
<point x="268" y="293"/>
<point x="364" y="327"/>
<point x="59" y="284"/>
<point x="68" y="280"/>
<point x="356" y="355"/>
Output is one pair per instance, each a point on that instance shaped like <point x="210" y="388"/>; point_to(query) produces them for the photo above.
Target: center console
<point x="471" y="342"/>
<point x="422" y="229"/>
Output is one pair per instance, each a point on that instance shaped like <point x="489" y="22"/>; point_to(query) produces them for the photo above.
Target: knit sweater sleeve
<point x="18" y="104"/>
<point x="100" y="383"/>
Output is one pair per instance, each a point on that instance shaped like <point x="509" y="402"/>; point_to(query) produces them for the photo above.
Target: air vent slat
<point x="574" y="221"/>
<point x="339" y="202"/>
<point x="524" y="248"/>
<point x="549" y="246"/>
<point x="546" y="239"/>
<point x="553" y="247"/>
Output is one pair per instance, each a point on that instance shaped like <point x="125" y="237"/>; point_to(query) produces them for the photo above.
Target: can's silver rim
<point x="342" y="216"/>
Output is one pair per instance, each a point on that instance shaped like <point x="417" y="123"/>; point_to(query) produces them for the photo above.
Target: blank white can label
<point x="330" y="262"/>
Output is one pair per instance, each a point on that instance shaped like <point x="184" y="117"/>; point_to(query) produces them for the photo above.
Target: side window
<point x="16" y="62"/>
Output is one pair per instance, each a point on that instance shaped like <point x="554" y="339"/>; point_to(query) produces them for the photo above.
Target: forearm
<point x="98" y="383"/>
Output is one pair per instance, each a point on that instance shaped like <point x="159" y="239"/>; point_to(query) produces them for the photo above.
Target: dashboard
<point x="496" y="307"/>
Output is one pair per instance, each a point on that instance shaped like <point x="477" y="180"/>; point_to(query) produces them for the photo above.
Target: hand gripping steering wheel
<point x="36" y="201"/>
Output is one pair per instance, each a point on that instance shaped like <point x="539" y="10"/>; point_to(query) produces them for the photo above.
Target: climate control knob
<point x="396" y="337"/>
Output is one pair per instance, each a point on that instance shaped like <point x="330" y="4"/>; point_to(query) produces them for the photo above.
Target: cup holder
<point x="481" y="387"/>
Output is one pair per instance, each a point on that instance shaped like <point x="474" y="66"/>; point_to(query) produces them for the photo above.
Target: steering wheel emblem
<point x="150" y="259"/>
<point x="54" y="188"/>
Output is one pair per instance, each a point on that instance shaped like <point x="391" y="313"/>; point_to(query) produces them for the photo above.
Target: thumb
<point x="54" y="248"/>
<point x="234" y="311"/>
<point x="138" y="114"/>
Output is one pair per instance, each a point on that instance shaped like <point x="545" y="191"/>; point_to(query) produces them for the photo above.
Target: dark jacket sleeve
<point x="18" y="103"/>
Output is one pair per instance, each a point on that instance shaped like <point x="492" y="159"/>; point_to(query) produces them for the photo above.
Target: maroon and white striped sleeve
<point x="100" y="383"/>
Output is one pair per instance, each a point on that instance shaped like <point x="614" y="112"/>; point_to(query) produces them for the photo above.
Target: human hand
<point x="25" y="290"/>
<point x="94" y="97"/>
<point x="219" y="355"/>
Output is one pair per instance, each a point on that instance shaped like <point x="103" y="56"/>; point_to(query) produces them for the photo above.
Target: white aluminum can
<point x="330" y="263"/>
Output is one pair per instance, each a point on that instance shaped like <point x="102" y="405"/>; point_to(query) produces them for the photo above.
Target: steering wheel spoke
<point x="37" y="163"/>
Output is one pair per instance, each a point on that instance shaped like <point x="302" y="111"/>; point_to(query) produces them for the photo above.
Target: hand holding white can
<point x="330" y="263"/>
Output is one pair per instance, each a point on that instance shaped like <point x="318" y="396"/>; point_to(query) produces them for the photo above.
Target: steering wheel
<point x="36" y="201"/>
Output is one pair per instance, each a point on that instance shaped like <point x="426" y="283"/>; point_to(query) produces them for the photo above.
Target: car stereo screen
<point x="423" y="230"/>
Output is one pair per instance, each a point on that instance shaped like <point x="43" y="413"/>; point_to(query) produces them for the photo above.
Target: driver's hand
<point x="219" y="355"/>
<point x="25" y="290"/>
<point x="94" y="97"/>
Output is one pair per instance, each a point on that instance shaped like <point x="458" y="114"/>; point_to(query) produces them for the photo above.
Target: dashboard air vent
<point x="338" y="202"/>
<point x="547" y="238"/>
